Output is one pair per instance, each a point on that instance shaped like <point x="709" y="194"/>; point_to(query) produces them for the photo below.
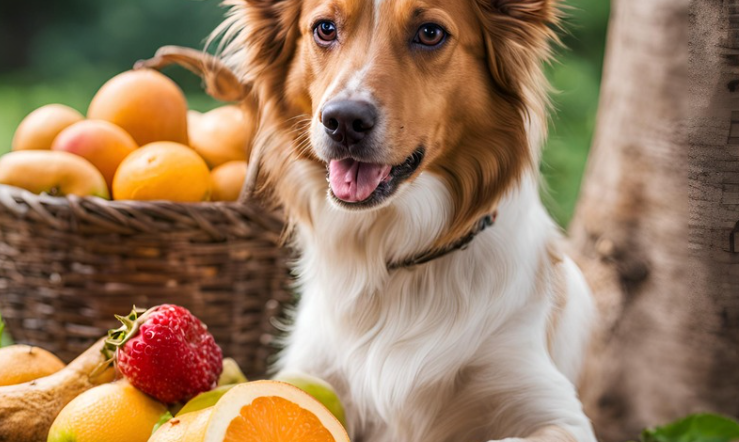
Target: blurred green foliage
<point x="695" y="428"/>
<point x="576" y="75"/>
<point x="62" y="52"/>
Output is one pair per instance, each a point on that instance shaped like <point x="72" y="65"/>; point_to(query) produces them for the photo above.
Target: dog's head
<point x="392" y="88"/>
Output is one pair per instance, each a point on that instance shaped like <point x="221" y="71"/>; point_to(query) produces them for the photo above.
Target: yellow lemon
<point x="188" y="427"/>
<point x="115" y="412"/>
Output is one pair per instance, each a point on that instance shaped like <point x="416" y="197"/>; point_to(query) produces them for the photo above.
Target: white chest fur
<point x="404" y="346"/>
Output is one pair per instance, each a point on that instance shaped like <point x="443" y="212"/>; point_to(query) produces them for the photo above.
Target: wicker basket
<point x="67" y="265"/>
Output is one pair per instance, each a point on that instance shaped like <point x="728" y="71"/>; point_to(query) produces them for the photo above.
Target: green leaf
<point x="696" y="428"/>
<point x="5" y="339"/>
<point x="162" y="420"/>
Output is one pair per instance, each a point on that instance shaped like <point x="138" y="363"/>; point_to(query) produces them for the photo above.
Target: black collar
<point x="460" y="244"/>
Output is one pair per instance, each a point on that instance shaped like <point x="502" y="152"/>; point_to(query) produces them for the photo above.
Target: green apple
<point x="205" y="400"/>
<point x="231" y="373"/>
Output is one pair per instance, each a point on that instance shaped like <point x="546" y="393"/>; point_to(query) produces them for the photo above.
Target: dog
<point x="402" y="138"/>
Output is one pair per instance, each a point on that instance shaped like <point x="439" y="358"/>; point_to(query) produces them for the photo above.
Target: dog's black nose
<point x="348" y="121"/>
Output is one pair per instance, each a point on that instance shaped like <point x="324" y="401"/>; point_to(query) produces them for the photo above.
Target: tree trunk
<point x="652" y="227"/>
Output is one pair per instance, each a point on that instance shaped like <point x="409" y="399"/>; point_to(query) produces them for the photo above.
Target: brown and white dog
<point x="427" y="117"/>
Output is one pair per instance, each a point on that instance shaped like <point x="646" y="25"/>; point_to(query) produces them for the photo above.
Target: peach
<point x="52" y="172"/>
<point x="223" y="134"/>
<point x="228" y="179"/>
<point x="146" y="104"/>
<point x="163" y="171"/>
<point x="38" y="130"/>
<point x="102" y="143"/>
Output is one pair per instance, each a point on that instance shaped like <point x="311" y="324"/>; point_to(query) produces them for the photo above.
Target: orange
<point x="102" y="143"/>
<point x="223" y="134"/>
<point x="115" y="412"/>
<point x="271" y="411"/>
<point x="23" y="363"/>
<point x="188" y="427"/>
<point x="38" y="130"/>
<point x="163" y="171"/>
<point x="146" y="104"/>
<point x="52" y="172"/>
<point x="321" y="390"/>
<point x="228" y="179"/>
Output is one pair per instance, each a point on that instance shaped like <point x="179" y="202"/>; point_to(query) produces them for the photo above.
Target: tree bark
<point x="652" y="226"/>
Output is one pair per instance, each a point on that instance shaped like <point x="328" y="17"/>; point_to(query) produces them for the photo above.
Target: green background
<point x="62" y="51"/>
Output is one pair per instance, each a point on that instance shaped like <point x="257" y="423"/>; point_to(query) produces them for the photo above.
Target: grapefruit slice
<point x="271" y="411"/>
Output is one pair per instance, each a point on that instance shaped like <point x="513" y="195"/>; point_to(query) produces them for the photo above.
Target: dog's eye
<point x="430" y="35"/>
<point x="324" y="32"/>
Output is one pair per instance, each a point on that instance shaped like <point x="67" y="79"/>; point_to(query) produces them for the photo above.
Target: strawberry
<point x="165" y="352"/>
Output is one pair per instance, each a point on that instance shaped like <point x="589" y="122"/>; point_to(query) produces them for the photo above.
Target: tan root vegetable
<point x="28" y="410"/>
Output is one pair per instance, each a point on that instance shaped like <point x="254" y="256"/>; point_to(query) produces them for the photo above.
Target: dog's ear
<point x="518" y="35"/>
<point x="260" y="39"/>
<point x="529" y="10"/>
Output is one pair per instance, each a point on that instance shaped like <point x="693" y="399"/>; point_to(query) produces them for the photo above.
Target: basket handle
<point x="221" y="83"/>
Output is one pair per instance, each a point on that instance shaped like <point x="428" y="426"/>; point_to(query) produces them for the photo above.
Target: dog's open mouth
<point x="361" y="184"/>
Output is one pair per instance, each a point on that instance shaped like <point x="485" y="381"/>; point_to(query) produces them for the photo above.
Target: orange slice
<point x="271" y="411"/>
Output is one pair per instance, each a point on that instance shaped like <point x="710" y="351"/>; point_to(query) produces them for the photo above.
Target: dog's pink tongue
<point x="352" y="181"/>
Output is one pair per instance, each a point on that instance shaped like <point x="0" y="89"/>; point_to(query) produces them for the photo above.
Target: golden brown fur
<point x="475" y="122"/>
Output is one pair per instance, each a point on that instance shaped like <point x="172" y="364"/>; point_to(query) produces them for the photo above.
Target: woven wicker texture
<point x="67" y="265"/>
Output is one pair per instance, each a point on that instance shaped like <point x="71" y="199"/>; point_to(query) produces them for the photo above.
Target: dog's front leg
<point x="551" y="433"/>
<point x="534" y="401"/>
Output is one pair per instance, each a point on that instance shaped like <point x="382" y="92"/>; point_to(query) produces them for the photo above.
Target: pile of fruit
<point x="160" y="377"/>
<point x="139" y="142"/>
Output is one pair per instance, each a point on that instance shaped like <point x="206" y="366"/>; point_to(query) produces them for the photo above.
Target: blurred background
<point x="62" y="52"/>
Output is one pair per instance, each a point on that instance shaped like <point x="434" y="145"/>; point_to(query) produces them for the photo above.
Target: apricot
<point x="52" y="172"/>
<point x="163" y="171"/>
<point x="223" y="134"/>
<point x="228" y="179"/>
<point x="102" y="143"/>
<point x="146" y="104"/>
<point x="38" y="130"/>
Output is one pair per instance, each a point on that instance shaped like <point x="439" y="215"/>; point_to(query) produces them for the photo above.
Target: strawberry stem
<point x="130" y="327"/>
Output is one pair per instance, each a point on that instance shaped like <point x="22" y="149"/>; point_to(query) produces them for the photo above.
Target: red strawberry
<point x="166" y="352"/>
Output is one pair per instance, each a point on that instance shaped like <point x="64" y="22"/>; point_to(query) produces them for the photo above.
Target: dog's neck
<point x="459" y="244"/>
<point x="338" y="244"/>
